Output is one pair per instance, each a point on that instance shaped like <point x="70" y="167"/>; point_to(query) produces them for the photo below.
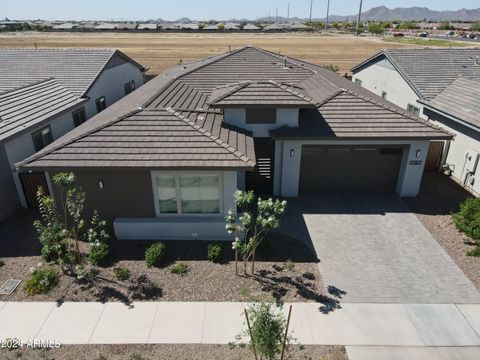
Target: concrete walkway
<point x="357" y="325"/>
<point x="376" y="250"/>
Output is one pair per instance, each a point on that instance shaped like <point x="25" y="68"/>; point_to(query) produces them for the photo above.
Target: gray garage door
<point x="349" y="169"/>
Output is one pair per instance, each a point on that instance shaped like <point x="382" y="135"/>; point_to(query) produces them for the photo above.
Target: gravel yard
<point x="205" y="281"/>
<point x="167" y="352"/>
<point x="439" y="197"/>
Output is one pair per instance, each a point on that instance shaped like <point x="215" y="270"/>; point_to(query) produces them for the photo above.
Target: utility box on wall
<point x="471" y="163"/>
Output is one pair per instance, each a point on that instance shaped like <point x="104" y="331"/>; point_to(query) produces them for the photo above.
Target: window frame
<point x="97" y="102"/>
<point x="79" y="110"/>
<point x="39" y="131"/>
<point x="177" y="175"/>
<point x="413" y="109"/>
<point x="265" y="108"/>
<point x="132" y="86"/>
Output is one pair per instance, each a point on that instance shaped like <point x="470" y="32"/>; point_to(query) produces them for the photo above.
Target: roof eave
<point x="431" y="107"/>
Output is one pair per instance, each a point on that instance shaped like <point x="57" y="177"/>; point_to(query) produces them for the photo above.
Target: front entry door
<point x="30" y="183"/>
<point x="260" y="179"/>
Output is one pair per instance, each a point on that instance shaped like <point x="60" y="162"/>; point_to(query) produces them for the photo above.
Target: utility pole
<point x="276" y="15"/>
<point x="359" y="16"/>
<point x="328" y="11"/>
<point x="311" y="7"/>
<point x="288" y="12"/>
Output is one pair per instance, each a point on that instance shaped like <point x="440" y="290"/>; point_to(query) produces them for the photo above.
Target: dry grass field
<point x="160" y="51"/>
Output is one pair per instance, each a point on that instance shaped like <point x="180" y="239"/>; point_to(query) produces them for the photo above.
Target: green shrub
<point x="121" y="273"/>
<point x="98" y="254"/>
<point x="475" y="252"/>
<point x="214" y="252"/>
<point x="154" y="254"/>
<point x="467" y="219"/>
<point x="2" y="263"/>
<point x="42" y="280"/>
<point x="180" y="268"/>
<point x="289" y="265"/>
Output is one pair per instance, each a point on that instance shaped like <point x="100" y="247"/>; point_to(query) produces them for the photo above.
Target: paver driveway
<point x="373" y="248"/>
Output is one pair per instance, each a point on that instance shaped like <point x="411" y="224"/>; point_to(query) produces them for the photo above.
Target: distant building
<point x="251" y="27"/>
<point x="147" y="26"/>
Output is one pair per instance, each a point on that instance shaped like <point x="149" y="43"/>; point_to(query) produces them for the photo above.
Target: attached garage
<point x="349" y="169"/>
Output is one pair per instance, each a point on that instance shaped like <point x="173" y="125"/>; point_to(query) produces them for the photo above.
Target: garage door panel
<point x="349" y="169"/>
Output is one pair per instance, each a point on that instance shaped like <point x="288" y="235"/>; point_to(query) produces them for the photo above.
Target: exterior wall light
<point x="100" y="184"/>
<point x="419" y="152"/>
<point x="292" y="153"/>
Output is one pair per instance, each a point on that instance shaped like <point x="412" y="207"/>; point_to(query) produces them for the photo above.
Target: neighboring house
<point x="44" y="94"/>
<point x="439" y="85"/>
<point x="165" y="161"/>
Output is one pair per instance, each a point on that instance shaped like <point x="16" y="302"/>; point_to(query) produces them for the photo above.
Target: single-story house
<point x="44" y="94"/>
<point x="165" y="161"/>
<point x="437" y="84"/>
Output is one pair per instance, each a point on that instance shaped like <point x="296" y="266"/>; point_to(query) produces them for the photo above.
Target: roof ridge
<point x="216" y="139"/>
<point x="204" y="62"/>
<point x="235" y="88"/>
<point x="330" y="97"/>
<point x="58" y="146"/>
<point x="395" y="109"/>
<point x="36" y="82"/>
<point x="292" y="91"/>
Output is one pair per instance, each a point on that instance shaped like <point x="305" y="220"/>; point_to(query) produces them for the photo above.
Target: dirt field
<point x="161" y="51"/>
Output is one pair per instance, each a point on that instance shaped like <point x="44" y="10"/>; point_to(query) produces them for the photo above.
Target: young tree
<point x="251" y="226"/>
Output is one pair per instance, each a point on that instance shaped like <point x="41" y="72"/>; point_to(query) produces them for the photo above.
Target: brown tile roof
<point x="250" y="93"/>
<point x="75" y="69"/>
<point x="187" y="90"/>
<point x="33" y="104"/>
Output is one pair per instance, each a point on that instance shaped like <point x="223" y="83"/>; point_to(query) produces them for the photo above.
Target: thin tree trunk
<point x="236" y="262"/>
<point x="253" y="262"/>
<point x="250" y="332"/>
<point x="245" y="266"/>
<point x="286" y="332"/>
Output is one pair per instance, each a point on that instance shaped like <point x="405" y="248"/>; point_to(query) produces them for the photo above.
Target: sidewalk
<point x="392" y="325"/>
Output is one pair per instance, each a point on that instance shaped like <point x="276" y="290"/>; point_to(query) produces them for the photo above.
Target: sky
<point x="200" y="9"/>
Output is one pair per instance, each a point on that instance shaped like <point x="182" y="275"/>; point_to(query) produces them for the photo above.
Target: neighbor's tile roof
<point x="31" y="105"/>
<point x="461" y="99"/>
<point x="429" y="71"/>
<point x="186" y="90"/>
<point x="75" y="69"/>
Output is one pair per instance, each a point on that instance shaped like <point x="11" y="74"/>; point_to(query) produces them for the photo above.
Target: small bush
<point x="289" y="265"/>
<point x="475" y="252"/>
<point x="121" y="274"/>
<point x="98" y="254"/>
<point x="2" y="263"/>
<point x="42" y="280"/>
<point x="180" y="268"/>
<point x="214" y="252"/>
<point x="154" y="254"/>
<point x="467" y="219"/>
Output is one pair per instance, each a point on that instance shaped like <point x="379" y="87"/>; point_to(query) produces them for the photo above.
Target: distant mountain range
<point x="380" y="13"/>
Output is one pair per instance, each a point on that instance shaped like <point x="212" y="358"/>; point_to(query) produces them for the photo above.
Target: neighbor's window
<point x="188" y="194"/>
<point x="384" y="94"/>
<point x="42" y="138"/>
<point x="358" y="82"/>
<point x="79" y="117"/>
<point x="129" y="87"/>
<point x="101" y="103"/>
<point x="413" y="109"/>
<point x="261" y="115"/>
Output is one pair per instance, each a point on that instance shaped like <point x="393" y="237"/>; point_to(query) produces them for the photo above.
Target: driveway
<point x="374" y="249"/>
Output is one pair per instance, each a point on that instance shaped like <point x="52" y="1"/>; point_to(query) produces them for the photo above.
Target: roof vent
<point x="285" y="63"/>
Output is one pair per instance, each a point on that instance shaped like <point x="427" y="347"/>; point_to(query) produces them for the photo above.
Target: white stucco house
<point x="45" y="93"/>
<point x="247" y="119"/>
<point x="441" y="85"/>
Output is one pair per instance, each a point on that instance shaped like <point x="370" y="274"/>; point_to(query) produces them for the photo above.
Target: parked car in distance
<point x="398" y="35"/>
<point x="450" y="33"/>
<point x="424" y="34"/>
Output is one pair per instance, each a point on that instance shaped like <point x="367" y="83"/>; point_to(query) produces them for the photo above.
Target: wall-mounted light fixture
<point x="292" y="153"/>
<point x="100" y="184"/>
<point x="418" y="153"/>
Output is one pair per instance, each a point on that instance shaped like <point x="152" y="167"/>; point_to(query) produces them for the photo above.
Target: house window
<point x="261" y="115"/>
<point x="100" y="103"/>
<point x="79" y="117"/>
<point x="384" y="94"/>
<point x="42" y="138"/>
<point x="188" y="194"/>
<point x="358" y="82"/>
<point x="413" y="109"/>
<point x="129" y="87"/>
